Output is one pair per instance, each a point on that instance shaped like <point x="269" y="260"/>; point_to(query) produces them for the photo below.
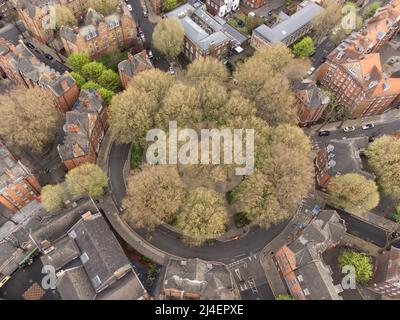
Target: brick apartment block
<point x="21" y="66"/>
<point x="99" y="35"/>
<point x="84" y="130"/>
<point x="353" y="71"/>
<point x="18" y="186"/>
<point x="310" y="102"/>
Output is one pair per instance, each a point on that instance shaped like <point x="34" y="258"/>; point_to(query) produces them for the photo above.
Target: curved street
<point x="169" y="242"/>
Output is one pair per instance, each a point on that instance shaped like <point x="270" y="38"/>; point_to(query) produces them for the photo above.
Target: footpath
<point x="120" y="226"/>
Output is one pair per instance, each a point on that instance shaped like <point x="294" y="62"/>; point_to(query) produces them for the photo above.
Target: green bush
<point x="241" y="219"/>
<point x="284" y="297"/>
<point x="361" y="263"/>
<point x="136" y="156"/>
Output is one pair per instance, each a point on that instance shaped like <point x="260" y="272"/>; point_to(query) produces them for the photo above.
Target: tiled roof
<point x="314" y="97"/>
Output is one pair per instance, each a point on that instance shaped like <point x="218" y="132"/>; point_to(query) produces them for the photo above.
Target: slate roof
<point x="289" y="25"/>
<point x="314" y="96"/>
<point x="94" y="237"/>
<point x="31" y="68"/>
<point x="65" y="250"/>
<point x="80" y="123"/>
<point x="344" y="156"/>
<point x="10" y="169"/>
<point x="135" y="64"/>
<point x="74" y="284"/>
<point x="89" y="250"/>
<point x="324" y="232"/>
<point x="90" y="25"/>
<point x="194" y="276"/>
<point x="9" y="258"/>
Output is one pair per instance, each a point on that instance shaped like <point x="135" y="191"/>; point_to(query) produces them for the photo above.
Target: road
<point x="168" y="241"/>
<point x="321" y="52"/>
<point x="388" y="127"/>
<point x="362" y="229"/>
<point x="147" y="27"/>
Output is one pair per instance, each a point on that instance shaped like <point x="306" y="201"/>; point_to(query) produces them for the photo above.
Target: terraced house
<point x="100" y="35"/>
<point x="19" y="65"/>
<point x="18" y="186"/>
<point x="84" y="130"/>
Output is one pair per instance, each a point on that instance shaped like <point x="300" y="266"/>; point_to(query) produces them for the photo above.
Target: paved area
<point x="26" y="285"/>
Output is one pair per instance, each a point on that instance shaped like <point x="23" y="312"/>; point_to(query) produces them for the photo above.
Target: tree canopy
<point x="203" y="216"/>
<point x="77" y="60"/>
<point x="53" y="197"/>
<point x="86" y="179"/>
<point x="168" y="37"/>
<point x="361" y="263"/>
<point x="154" y="196"/>
<point x="64" y="16"/>
<point x="29" y="118"/>
<point x="353" y="192"/>
<point x="304" y="47"/>
<point x="105" y="7"/>
<point x="384" y="157"/>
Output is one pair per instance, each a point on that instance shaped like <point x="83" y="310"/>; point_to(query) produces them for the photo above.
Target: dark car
<point x="322" y="60"/>
<point x="30" y="45"/>
<point x="48" y="56"/>
<point x="324" y="133"/>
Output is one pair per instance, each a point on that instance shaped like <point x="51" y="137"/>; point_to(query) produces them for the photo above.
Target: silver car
<point x="349" y="129"/>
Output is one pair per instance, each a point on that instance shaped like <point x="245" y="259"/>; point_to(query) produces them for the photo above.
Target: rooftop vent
<point x="330" y="148"/>
<point x="367" y="77"/>
<point x="331" y="164"/>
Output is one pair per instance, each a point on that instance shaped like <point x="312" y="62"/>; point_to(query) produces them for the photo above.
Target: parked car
<point x="142" y="36"/>
<point x="349" y="129"/>
<point x="368" y="126"/>
<point x="30" y="45"/>
<point x="322" y="60"/>
<point x="171" y="70"/>
<point x="48" y="56"/>
<point x="129" y="7"/>
<point x="310" y="72"/>
<point x="145" y="13"/>
<point x="324" y="133"/>
<point x="150" y="54"/>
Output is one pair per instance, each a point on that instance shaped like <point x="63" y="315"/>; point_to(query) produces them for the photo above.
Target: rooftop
<point x="289" y="25"/>
<point x="201" y="28"/>
<point x="80" y="123"/>
<point x="196" y="279"/>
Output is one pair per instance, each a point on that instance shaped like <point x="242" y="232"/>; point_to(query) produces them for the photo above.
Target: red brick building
<point x="310" y="102"/>
<point x="386" y="280"/>
<point x="255" y="4"/>
<point x="133" y="65"/>
<point x="300" y="263"/>
<point x="84" y="130"/>
<point x="18" y="186"/>
<point x="353" y="71"/>
<point x="100" y="35"/>
<point x="20" y="65"/>
<point x="358" y="81"/>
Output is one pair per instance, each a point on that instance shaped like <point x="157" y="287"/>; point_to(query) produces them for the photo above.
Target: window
<point x="306" y="291"/>
<point x="72" y="234"/>
<point x="84" y="257"/>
